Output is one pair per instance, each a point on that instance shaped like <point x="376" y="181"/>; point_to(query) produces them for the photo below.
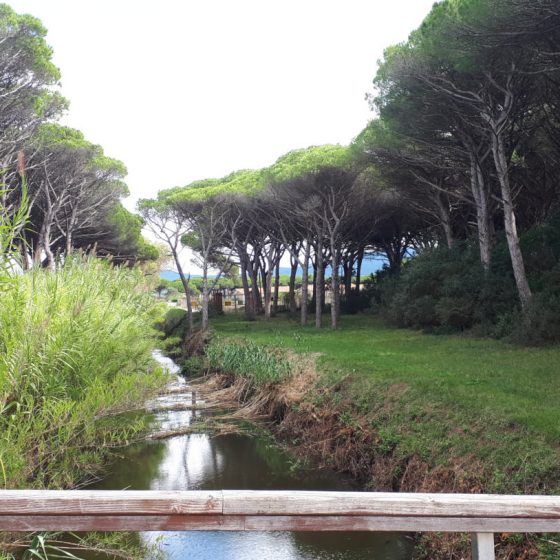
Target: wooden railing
<point x="239" y="510"/>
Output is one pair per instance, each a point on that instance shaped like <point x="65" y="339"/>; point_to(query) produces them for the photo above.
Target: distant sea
<point x="369" y="266"/>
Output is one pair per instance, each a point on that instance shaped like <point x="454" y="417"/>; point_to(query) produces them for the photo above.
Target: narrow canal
<point x="233" y="461"/>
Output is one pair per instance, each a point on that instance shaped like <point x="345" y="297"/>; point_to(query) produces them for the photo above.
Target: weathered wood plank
<point x="28" y="523"/>
<point x="271" y="523"/>
<point x="106" y="502"/>
<point x="399" y="524"/>
<point x="24" y="510"/>
<point x="388" y="503"/>
<point x="483" y="546"/>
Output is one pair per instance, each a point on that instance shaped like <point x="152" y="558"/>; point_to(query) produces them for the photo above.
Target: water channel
<point x="233" y="461"/>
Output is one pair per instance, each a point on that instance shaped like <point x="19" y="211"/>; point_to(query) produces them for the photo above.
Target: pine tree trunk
<point x="50" y="265"/>
<point x="70" y="231"/>
<point x="249" y="310"/>
<point x="267" y="294"/>
<point x="69" y="242"/>
<point x="500" y="160"/>
<point x="347" y="267"/>
<point x="186" y="286"/>
<point x="276" y="289"/>
<point x="335" y="286"/>
<point x="361" y="251"/>
<point x="256" y="296"/>
<point x="314" y="285"/>
<point x="188" y="297"/>
<point x="319" y="284"/>
<point x="480" y="196"/>
<point x="205" y="297"/>
<point x="305" y="286"/>
<point x="292" y="287"/>
<point x="445" y="221"/>
<point x="39" y="246"/>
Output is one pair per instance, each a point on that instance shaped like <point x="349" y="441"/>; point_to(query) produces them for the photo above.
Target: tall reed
<point x="75" y="348"/>
<point x="257" y="364"/>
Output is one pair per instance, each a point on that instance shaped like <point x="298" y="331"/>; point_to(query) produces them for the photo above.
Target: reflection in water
<point x="279" y="546"/>
<point x="200" y="462"/>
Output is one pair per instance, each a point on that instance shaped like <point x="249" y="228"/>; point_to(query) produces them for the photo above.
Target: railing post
<point x="483" y="546"/>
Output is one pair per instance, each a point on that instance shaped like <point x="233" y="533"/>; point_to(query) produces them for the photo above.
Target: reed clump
<point x="75" y="349"/>
<point x="245" y="359"/>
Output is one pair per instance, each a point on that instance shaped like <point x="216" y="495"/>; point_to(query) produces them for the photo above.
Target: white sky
<point x="182" y="90"/>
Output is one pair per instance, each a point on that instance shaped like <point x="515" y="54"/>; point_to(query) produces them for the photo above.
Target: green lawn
<point x="436" y="396"/>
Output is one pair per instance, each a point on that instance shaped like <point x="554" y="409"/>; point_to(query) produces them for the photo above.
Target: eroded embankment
<point x="332" y="426"/>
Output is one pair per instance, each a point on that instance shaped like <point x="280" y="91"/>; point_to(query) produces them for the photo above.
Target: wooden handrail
<point x="241" y="510"/>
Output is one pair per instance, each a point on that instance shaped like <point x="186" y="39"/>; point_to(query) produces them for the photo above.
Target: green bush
<point x="445" y="290"/>
<point x="539" y="325"/>
<point x="441" y="288"/>
<point x="354" y="302"/>
<point x="174" y="323"/>
<point x="192" y="366"/>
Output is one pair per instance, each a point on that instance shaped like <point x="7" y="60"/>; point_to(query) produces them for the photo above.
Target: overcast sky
<point x="182" y="90"/>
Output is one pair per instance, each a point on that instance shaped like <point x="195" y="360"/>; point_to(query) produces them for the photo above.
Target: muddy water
<point x="202" y="462"/>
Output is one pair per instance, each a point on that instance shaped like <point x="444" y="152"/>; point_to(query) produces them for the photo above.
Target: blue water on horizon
<point x="370" y="266"/>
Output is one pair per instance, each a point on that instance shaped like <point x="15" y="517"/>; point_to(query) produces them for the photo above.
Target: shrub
<point x="539" y="325"/>
<point x="440" y="288"/>
<point x="192" y="366"/>
<point x="174" y="323"/>
<point x="445" y="290"/>
<point x="355" y="301"/>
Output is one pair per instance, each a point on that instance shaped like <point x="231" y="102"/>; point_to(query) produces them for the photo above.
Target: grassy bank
<point x="437" y="396"/>
<point x="401" y="410"/>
